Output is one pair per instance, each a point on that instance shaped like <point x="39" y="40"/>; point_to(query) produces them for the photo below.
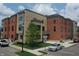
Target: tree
<point x="32" y="34"/>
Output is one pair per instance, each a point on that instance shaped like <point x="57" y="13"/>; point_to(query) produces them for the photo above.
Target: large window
<point x="21" y="36"/>
<point x="12" y="28"/>
<point x="21" y="28"/>
<point x="54" y="28"/>
<point x="21" y="20"/>
<point x="21" y="23"/>
<point x="43" y="28"/>
<point x="12" y="36"/>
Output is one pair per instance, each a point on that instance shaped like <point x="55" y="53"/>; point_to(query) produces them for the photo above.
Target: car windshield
<point x="3" y="41"/>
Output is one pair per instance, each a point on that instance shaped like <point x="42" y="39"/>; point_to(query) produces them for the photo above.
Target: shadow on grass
<point x="24" y="53"/>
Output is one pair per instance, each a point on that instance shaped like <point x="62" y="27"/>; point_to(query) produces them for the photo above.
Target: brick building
<point x="13" y="27"/>
<point x="58" y="27"/>
<point x="6" y="23"/>
<point x="9" y="27"/>
<point x="68" y="28"/>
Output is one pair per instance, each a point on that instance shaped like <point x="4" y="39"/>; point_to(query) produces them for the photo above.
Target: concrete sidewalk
<point x="29" y="50"/>
<point x="66" y="43"/>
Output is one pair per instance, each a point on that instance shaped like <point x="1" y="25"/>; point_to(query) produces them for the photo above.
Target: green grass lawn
<point x="35" y="47"/>
<point x="25" y="53"/>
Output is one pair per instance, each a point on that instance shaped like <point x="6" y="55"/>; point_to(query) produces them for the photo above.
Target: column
<point x="41" y="32"/>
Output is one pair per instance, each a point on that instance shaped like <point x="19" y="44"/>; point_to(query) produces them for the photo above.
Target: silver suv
<point x="4" y="42"/>
<point x="55" y="47"/>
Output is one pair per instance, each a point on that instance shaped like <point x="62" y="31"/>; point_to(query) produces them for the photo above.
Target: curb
<point x="31" y="51"/>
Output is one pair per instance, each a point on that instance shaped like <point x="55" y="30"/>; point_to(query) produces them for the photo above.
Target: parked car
<point x="76" y="40"/>
<point x="55" y="47"/>
<point x="4" y="42"/>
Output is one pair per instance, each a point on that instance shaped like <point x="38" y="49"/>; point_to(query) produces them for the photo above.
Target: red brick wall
<point x="13" y="23"/>
<point x="6" y="25"/>
<point x="61" y="25"/>
<point x="68" y="27"/>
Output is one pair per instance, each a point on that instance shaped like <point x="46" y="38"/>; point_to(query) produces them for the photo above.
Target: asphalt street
<point x="70" y="51"/>
<point x="7" y="51"/>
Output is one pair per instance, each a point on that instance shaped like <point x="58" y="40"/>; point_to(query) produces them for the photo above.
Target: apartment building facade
<point x="23" y="20"/>
<point x="13" y="27"/>
<point x="56" y="26"/>
<point x="6" y="24"/>
<point x="9" y="27"/>
<point x="59" y="28"/>
<point x="68" y="28"/>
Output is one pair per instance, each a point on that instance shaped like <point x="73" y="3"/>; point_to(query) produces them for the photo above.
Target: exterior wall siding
<point x="12" y="27"/>
<point x="63" y="28"/>
<point x="58" y="27"/>
<point x="6" y="28"/>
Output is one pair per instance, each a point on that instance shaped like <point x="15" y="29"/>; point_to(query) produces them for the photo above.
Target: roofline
<point x="7" y="18"/>
<point x="31" y="11"/>
<point x="50" y="16"/>
<point x="13" y="15"/>
<point x="22" y="11"/>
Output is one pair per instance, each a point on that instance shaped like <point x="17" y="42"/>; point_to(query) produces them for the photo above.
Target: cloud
<point x="1" y="17"/>
<point x="5" y="10"/>
<point x="71" y="11"/>
<point x="44" y="9"/>
<point x="21" y="7"/>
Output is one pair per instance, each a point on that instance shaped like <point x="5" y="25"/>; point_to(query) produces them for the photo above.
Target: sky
<point x="67" y="10"/>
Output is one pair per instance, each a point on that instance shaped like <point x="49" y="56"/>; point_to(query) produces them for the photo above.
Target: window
<point x="54" y="28"/>
<point x="21" y="20"/>
<point x="21" y="28"/>
<point x="43" y="28"/>
<point x="21" y="36"/>
<point x="2" y="29"/>
<point x="12" y="28"/>
<point x="39" y="27"/>
<point x="12" y="36"/>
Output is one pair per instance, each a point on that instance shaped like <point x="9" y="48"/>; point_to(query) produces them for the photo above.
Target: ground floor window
<point x="11" y="36"/>
<point x="21" y="36"/>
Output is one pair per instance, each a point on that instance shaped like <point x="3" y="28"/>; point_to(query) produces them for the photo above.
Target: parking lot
<point x="70" y="51"/>
<point x="7" y="51"/>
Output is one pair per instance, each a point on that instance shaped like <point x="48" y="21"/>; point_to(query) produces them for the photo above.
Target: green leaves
<point x="33" y="34"/>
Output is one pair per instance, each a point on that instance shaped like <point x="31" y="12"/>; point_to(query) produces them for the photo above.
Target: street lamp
<point x="23" y="38"/>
